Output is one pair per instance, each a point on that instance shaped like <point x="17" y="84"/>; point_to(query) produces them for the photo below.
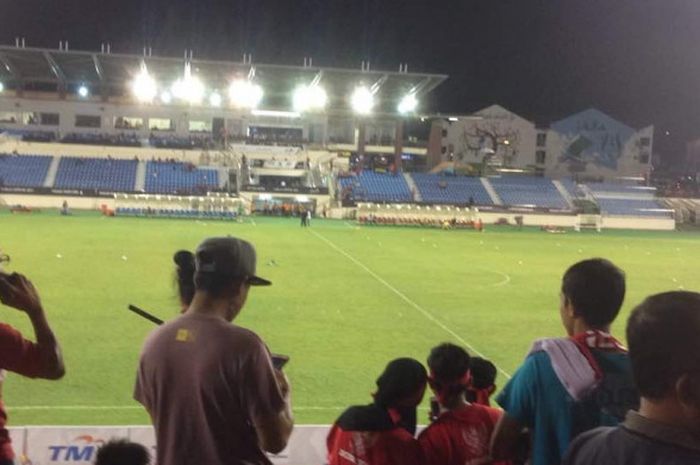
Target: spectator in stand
<point x="462" y="431"/>
<point x="664" y="338"/>
<point x="382" y="433"/>
<point x="40" y="359"/>
<point x="209" y="386"/>
<point x="122" y="452"/>
<point x="567" y="386"/>
<point x="483" y="381"/>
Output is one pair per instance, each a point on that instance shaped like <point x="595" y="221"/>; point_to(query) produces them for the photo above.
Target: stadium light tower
<point x="2" y="87"/>
<point x="83" y="91"/>
<point x="245" y="94"/>
<point x="362" y="100"/>
<point x="215" y="99"/>
<point x="143" y="86"/>
<point x="188" y="88"/>
<point x="309" y="98"/>
<point x="408" y="104"/>
<point x="165" y="97"/>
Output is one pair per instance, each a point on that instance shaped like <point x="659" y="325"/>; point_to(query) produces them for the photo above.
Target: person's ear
<point x="492" y="389"/>
<point x="688" y="391"/>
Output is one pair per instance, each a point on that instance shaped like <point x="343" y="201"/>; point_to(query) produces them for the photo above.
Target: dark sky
<point x="638" y="60"/>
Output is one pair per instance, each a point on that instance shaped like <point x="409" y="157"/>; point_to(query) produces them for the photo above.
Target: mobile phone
<point x="279" y="360"/>
<point x="434" y="409"/>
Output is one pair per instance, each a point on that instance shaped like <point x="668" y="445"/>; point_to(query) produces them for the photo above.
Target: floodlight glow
<point x="165" y="97"/>
<point x="245" y="94"/>
<point x="83" y="91"/>
<point x="362" y="100"/>
<point x="215" y="99"/>
<point x="144" y="86"/>
<point x="2" y="86"/>
<point x="307" y="98"/>
<point x="408" y="104"/>
<point x="190" y="89"/>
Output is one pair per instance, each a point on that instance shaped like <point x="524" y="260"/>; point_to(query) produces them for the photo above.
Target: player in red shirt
<point x="382" y="433"/>
<point x="40" y="359"/>
<point x="462" y="432"/>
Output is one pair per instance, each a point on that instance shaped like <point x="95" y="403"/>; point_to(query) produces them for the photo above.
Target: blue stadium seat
<point x="451" y="189"/>
<point x="377" y="187"/>
<point x="23" y="170"/>
<point x="96" y="173"/>
<point x="528" y="190"/>
<point x="179" y="178"/>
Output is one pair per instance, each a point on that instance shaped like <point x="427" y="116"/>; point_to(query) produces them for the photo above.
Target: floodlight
<point x="312" y="97"/>
<point x="189" y="89"/>
<point x="165" y="97"/>
<point x="144" y="86"/>
<point x="2" y="86"/>
<point x="245" y="94"/>
<point x="83" y="91"/>
<point x="408" y="104"/>
<point x="362" y="100"/>
<point x="215" y="99"/>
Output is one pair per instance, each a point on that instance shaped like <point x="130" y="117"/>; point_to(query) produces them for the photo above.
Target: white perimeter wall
<point x="77" y="445"/>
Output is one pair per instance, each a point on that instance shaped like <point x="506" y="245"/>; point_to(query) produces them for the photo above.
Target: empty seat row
<point x="451" y="189"/>
<point x="116" y="175"/>
<point x="23" y="170"/>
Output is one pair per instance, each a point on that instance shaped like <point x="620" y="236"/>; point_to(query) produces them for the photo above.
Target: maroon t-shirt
<point x="20" y="356"/>
<point x="205" y="382"/>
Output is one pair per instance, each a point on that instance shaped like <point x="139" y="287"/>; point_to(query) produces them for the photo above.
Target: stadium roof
<point x="51" y="69"/>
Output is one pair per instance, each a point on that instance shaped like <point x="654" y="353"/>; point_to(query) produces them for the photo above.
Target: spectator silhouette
<point x="663" y="333"/>
<point x="122" y="452"/>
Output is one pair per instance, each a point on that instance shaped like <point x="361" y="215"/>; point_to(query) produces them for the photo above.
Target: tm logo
<point x="82" y="451"/>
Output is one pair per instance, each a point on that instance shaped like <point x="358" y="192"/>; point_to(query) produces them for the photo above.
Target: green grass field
<point x="345" y="299"/>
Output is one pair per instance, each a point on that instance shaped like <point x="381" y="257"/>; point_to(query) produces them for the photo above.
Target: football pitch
<point x="345" y="299"/>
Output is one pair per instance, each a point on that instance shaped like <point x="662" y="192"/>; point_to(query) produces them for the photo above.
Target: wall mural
<point x="592" y="137"/>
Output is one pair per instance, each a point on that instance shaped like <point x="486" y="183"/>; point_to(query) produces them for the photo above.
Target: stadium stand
<point x="23" y="170"/>
<point x="117" y="140"/>
<point x="451" y="189"/>
<point x="96" y="173"/>
<point x="178" y="178"/>
<point x="633" y="207"/>
<point x="528" y="190"/>
<point x="571" y="187"/>
<point x="376" y="187"/>
<point x="184" y="143"/>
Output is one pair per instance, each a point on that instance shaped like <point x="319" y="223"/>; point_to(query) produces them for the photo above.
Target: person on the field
<point x="40" y="359"/>
<point x="382" y="433"/>
<point x="483" y="381"/>
<point x="462" y="432"/>
<point x="663" y="334"/>
<point x="570" y="385"/>
<point x="122" y="452"/>
<point x="209" y="385"/>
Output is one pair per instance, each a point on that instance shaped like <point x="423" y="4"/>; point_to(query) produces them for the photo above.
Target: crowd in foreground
<point x="217" y="396"/>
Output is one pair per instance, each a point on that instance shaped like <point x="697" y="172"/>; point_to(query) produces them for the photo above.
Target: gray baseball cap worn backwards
<point x="229" y="255"/>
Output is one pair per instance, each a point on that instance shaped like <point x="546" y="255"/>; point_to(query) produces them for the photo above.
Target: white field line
<point x="410" y="302"/>
<point x="348" y="225"/>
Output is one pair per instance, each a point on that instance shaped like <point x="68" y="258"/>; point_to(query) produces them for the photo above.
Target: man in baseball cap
<point x="228" y="256"/>
<point x="206" y="381"/>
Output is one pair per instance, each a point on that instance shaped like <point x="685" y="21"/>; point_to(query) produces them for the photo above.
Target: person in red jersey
<point x="382" y="433"/>
<point x="462" y="431"/>
<point x="40" y="359"/>
<point x="483" y="381"/>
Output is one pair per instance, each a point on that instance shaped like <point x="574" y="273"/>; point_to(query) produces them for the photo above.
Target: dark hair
<point x="448" y="363"/>
<point x="122" y="452"/>
<point x="663" y="334"/>
<point x="483" y="372"/>
<point x="215" y="283"/>
<point x="596" y="289"/>
<point x="184" y="275"/>
<point x="401" y="378"/>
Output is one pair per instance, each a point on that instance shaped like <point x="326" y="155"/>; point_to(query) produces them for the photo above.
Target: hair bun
<point x="184" y="259"/>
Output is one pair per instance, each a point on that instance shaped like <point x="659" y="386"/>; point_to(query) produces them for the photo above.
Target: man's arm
<point x="274" y="430"/>
<point x="18" y="292"/>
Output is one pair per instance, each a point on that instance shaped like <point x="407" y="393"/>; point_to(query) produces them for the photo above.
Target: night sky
<point x="638" y="60"/>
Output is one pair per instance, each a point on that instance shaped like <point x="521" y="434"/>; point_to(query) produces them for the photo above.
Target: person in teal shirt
<point x="570" y="385"/>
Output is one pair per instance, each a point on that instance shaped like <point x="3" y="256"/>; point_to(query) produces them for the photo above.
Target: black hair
<point x="215" y="283"/>
<point x="401" y="378"/>
<point x="122" y="452"/>
<point x="663" y="334"/>
<point x="483" y="372"/>
<point x="596" y="289"/>
<point x="448" y="362"/>
<point x="184" y="275"/>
